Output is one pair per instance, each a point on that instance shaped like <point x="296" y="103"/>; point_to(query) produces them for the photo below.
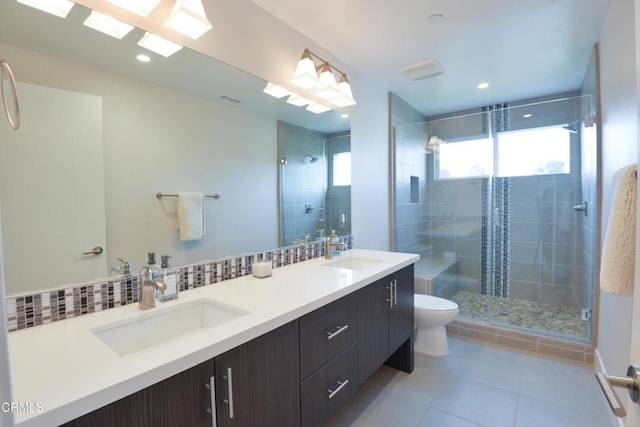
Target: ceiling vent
<point x="423" y="70"/>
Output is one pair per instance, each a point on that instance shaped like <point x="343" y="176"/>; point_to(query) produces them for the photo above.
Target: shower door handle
<point x="582" y="207"/>
<point x="631" y="382"/>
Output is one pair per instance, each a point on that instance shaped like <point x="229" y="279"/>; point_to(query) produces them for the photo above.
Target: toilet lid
<point x="429" y="302"/>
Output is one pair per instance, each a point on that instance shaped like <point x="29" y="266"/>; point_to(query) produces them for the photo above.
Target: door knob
<point x="631" y="382"/>
<point x="97" y="250"/>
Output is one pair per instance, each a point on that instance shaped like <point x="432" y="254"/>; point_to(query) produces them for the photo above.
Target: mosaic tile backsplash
<point x="28" y="310"/>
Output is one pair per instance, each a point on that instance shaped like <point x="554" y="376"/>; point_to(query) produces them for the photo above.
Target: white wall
<point x="6" y="418"/>
<point x="619" y="142"/>
<point x="160" y="140"/>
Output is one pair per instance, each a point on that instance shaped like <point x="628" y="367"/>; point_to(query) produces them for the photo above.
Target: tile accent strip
<point x="28" y="310"/>
<point x="522" y="341"/>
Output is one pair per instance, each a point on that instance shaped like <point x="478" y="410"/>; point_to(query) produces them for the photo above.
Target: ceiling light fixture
<point x="139" y="7"/>
<point x="189" y="18"/>
<point x="159" y="45"/>
<point x="527" y="115"/>
<point x="276" y="91"/>
<point x="482" y="85"/>
<point x="317" y="108"/>
<point x="108" y="25"/>
<point x="321" y="80"/>
<point x="297" y="100"/>
<point x="143" y="58"/>
<point x="58" y="8"/>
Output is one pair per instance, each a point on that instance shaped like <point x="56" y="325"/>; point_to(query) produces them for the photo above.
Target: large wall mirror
<point x="102" y="133"/>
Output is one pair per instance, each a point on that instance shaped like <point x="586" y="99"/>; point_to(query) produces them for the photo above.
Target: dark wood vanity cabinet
<point x="257" y="383"/>
<point x="297" y="374"/>
<point x="181" y="400"/>
<point x="386" y="323"/>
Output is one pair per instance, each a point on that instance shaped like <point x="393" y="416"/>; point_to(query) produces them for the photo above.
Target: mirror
<point x="103" y="133"/>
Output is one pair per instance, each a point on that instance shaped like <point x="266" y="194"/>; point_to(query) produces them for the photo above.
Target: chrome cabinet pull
<point x="334" y="392"/>
<point x="229" y="400"/>
<point x="97" y="250"/>
<point x="631" y="382"/>
<point x="330" y="335"/>
<point x="395" y="291"/>
<point x="14" y="121"/>
<point x="212" y="411"/>
<point x="390" y="299"/>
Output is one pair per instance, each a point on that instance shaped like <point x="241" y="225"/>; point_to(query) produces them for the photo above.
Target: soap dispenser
<point x="150" y="270"/>
<point x="171" y="278"/>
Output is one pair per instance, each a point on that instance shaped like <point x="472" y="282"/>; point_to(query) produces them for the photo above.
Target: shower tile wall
<point x="410" y="133"/>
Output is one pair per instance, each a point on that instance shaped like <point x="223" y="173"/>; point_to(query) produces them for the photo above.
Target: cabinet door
<point x="373" y="327"/>
<point x="177" y="401"/>
<point x="257" y="383"/>
<point x="401" y="321"/>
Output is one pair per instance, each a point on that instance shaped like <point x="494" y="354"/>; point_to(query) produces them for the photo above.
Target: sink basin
<point x="160" y="326"/>
<point x="353" y="263"/>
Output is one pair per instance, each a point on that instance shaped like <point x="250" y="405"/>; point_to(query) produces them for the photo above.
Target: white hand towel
<point x="191" y="217"/>
<point x="618" y="252"/>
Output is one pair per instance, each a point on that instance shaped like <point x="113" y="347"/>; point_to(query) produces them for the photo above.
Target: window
<point x="466" y="158"/>
<point x="540" y="151"/>
<point x="535" y="151"/>
<point x="342" y="168"/>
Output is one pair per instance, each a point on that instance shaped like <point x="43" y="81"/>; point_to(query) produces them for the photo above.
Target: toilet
<point x="431" y="314"/>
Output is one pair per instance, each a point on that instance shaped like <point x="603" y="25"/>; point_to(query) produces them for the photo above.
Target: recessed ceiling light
<point x="143" y="58"/>
<point x="108" y="25"/>
<point x="482" y="85"/>
<point x="139" y="7"/>
<point x="344" y="115"/>
<point x="276" y="91"/>
<point x="527" y="116"/>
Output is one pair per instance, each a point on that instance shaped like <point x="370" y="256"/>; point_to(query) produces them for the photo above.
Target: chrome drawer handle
<point x="212" y="411"/>
<point x="330" y="335"/>
<point x="229" y="400"/>
<point x="334" y="392"/>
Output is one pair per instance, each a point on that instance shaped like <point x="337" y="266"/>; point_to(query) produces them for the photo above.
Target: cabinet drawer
<point x="327" y="331"/>
<point x="329" y="387"/>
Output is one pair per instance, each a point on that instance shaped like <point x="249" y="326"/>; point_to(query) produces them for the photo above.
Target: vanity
<point x="289" y="349"/>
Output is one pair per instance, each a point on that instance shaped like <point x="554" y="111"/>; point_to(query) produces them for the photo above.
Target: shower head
<point x="308" y="158"/>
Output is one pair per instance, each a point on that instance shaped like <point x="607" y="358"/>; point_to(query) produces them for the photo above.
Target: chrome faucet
<point x="329" y="245"/>
<point x="146" y="287"/>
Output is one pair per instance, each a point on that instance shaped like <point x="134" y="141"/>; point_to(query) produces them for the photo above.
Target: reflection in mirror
<point x="103" y="133"/>
<point x="315" y="184"/>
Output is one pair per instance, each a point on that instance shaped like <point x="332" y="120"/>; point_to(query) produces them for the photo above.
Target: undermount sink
<point x="160" y="326"/>
<point x="353" y="263"/>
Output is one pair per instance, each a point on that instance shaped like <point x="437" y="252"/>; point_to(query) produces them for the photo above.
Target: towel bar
<point x="208" y="196"/>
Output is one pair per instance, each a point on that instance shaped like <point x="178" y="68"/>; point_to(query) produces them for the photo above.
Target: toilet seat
<point x="429" y="302"/>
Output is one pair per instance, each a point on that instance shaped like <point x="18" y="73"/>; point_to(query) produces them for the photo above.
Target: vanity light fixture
<point x="297" y="100"/>
<point x="108" y="25"/>
<point x="306" y="76"/>
<point x="188" y="18"/>
<point x="139" y="7"/>
<point x="58" y="8"/>
<point x="159" y="45"/>
<point x="317" y="108"/>
<point x="275" y="90"/>
<point x="321" y="80"/>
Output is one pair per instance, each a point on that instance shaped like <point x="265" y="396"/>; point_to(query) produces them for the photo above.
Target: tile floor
<point x="478" y="385"/>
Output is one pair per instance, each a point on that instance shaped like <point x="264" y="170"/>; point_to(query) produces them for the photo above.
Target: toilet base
<point x="432" y="341"/>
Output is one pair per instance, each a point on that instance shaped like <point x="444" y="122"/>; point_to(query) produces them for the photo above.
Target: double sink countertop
<point x="65" y="369"/>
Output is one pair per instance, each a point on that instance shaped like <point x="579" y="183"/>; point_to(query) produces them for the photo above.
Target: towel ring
<point x="14" y="122"/>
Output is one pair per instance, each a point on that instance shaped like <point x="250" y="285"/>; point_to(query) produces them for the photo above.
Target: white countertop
<point x="66" y="370"/>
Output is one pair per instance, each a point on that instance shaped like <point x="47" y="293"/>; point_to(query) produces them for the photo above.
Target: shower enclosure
<point x="499" y="202"/>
